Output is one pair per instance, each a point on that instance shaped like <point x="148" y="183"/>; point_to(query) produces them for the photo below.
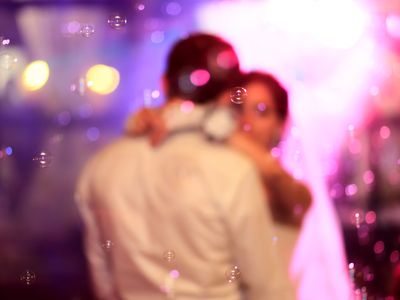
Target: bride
<point x="261" y="117"/>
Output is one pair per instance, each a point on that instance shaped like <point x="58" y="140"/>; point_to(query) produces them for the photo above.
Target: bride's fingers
<point x="158" y="131"/>
<point x="139" y="123"/>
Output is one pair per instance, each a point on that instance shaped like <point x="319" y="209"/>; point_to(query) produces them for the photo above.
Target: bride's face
<point x="259" y="117"/>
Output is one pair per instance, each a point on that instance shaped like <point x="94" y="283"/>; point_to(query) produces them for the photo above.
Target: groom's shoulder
<point x="228" y="160"/>
<point x="121" y="149"/>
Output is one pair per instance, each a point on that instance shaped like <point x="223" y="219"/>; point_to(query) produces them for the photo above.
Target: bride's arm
<point x="286" y="193"/>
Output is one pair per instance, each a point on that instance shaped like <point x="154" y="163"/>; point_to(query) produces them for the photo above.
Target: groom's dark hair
<point x="200" y="67"/>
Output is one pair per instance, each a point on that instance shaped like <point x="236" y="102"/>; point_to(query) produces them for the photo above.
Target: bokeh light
<point x="103" y="79"/>
<point x="35" y="75"/>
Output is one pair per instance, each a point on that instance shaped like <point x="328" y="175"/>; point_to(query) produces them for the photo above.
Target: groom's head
<point x="200" y="67"/>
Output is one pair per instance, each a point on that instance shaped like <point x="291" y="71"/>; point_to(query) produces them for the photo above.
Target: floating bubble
<point x="117" y="21"/>
<point x="238" y="95"/>
<point x="4" y="41"/>
<point x="169" y="255"/>
<point x="108" y="245"/>
<point x="43" y="159"/>
<point x="28" y="277"/>
<point x="232" y="274"/>
<point x="86" y="30"/>
<point x="80" y="86"/>
<point x="7" y="61"/>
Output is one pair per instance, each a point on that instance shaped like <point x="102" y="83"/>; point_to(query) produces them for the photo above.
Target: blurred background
<point x="72" y="71"/>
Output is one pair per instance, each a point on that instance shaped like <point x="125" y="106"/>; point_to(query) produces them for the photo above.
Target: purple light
<point x="173" y="8"/>
<point x="8" y="151"/>
<point x="93" y="134"/>
<point x="64" y="118"/>
<point x="73" y="27"/>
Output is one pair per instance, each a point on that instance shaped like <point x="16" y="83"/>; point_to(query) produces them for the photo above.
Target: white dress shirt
<point x="200" y="203"/>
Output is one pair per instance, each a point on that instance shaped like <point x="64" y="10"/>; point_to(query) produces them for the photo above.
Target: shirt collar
<point x="184" y="115"/>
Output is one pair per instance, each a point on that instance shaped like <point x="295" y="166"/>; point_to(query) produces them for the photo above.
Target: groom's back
<point x="168" y="209"/>
<point x="174" y="215"/>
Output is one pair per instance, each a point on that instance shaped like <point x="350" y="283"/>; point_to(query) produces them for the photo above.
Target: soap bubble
<point x="238" y="95"/>
<point x="28" y="277"/>
<point x="232" y="274"/>
<point x="86" y="30"/>
<point x="117" y="21"/>
<point x="43" y="159"/>
<point x="108" y="245"/>
<point x="169" y="255"/>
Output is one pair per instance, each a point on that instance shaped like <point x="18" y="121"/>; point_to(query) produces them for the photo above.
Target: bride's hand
<point x="265" y="162"/>
<point x="147" y="122"/>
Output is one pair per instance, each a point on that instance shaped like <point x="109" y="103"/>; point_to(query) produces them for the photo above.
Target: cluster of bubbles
<point x="232" y="274"/>
<point x="169" y="255"/>
<point x="108" y="245"/>
<point x="117" y="21"/>
<point x="86" y="30"/>
<point x="43" y="159"/>
<point x="28" y="277"/>
<point x="238" y="95"/>
<point x="80" y="86"/>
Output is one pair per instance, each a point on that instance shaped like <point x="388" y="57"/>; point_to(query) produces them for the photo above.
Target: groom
<point x="186" y="220"/>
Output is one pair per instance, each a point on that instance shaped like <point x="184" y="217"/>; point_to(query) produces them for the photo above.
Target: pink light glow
<point x="328" y="44"/>
<point x="393" y="25"/>
<point x="187" y="106"/>
<point x="199" y="77"/>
